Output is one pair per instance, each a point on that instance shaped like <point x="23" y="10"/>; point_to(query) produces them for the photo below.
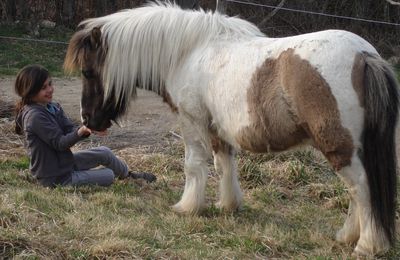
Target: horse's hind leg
<point x="341" y="153"/>
<point x="225" y="164"/>
<point x="350" y="232"/>
<point x="360" y="223"/>
<point x="196" y="171"/>
<point x="339" y="146"/>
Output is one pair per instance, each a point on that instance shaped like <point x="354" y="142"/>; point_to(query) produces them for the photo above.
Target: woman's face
<point x="45" y="94"/>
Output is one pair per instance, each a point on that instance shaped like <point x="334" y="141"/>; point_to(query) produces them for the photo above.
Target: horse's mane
<point x="145" y="44"/>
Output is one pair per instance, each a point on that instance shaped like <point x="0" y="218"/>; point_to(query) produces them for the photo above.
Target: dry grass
<point x="293" y="206"/>
<point x="11" y="145"/>
<point x="6" y="109"/>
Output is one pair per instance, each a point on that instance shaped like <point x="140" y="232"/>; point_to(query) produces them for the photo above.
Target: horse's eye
<point x="89" y="74"/>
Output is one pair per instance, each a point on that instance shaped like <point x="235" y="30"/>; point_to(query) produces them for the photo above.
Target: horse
<point x="233" y="88"/>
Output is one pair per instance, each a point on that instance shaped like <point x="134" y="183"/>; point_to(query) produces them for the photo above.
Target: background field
<point x="294" y="203"/>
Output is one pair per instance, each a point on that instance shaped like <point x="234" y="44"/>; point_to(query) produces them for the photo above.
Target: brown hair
<point x="30" y="79"/>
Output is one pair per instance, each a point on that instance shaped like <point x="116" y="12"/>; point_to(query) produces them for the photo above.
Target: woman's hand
<point x="83" y="131"/>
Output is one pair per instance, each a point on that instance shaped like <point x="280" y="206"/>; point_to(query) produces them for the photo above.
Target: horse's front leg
<point x="196" y="172"/>
<point x="225" y="164"/>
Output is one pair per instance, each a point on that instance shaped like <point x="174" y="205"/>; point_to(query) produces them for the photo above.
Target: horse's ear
<point x="95" y="37"/>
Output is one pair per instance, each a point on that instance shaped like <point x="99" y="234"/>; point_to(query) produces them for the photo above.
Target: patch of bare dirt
<point x="149" y="125"/>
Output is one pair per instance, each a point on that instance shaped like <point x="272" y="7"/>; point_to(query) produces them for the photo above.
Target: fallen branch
<point x="175" y="134"/>
<point x="393" y="2"/>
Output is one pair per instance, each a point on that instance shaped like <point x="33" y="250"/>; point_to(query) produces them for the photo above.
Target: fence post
<point x="221" y="6"/>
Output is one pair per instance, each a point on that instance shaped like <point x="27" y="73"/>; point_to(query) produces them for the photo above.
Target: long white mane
<point x="145" y="44"/>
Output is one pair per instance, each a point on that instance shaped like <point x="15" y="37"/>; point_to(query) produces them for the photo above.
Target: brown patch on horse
<point x="289" y="101"/>
<point x="167" y="99"/>
<point x="219" y="145"/>
<point x="357" y="77"/>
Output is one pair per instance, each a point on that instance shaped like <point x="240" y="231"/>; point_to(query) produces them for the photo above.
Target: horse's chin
<point x="100" y="127"/>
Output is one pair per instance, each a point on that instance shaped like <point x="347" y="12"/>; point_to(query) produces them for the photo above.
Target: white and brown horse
<point x="234" y="88"/>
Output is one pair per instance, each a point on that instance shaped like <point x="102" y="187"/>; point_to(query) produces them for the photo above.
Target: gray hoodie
<point x="49" y="135"/>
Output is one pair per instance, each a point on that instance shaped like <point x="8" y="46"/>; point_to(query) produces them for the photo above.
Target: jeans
<point x="86" y="160"/>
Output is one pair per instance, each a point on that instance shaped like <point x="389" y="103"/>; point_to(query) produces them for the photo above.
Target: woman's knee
<point x="105" y="177"/>
<point x="106" y="154"/>
<point x="105" y="150"/>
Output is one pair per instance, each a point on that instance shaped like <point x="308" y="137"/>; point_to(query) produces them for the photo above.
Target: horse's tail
<point x="381" y="100"/>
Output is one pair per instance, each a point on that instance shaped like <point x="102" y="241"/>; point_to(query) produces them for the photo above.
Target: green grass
<point x="294" y="204"/>
<point x="22" y="163"/>
<point x="15" y="54"/>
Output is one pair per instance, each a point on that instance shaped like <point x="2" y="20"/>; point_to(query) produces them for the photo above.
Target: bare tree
<point x="9" y="9"/>
<point x="67" y="11"/>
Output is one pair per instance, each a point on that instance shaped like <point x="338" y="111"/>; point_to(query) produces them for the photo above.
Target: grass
<point x="294" y="204"/>
<point x="15" y="54"/>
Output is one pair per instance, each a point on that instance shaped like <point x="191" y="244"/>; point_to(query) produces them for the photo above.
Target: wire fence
<point x="32" y="40"/>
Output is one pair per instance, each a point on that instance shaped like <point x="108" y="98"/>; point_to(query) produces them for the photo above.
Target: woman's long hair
<point x="30" y="79"/>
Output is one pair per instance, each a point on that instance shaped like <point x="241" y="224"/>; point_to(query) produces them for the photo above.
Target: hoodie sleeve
<point x="50" y="132"/>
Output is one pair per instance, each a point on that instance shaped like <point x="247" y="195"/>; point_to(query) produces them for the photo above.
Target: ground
<point x="149" y="125"/>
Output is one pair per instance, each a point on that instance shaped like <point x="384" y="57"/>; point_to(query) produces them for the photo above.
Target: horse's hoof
<point x="361" y="252"/>
<point x="344" y="238"/>
<point x="232" y="207"/>
<point x="177" y="208"/>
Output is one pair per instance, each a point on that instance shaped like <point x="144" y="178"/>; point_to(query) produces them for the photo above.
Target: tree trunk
<point x="221" y="6"/>
<point x="10" y="10"/>
<point x="65" y="11"/>
<point x="188" y="4"/>
<point x="100" y="7"/>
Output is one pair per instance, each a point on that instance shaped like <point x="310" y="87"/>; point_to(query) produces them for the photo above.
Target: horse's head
<point x="87" y="52"/>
